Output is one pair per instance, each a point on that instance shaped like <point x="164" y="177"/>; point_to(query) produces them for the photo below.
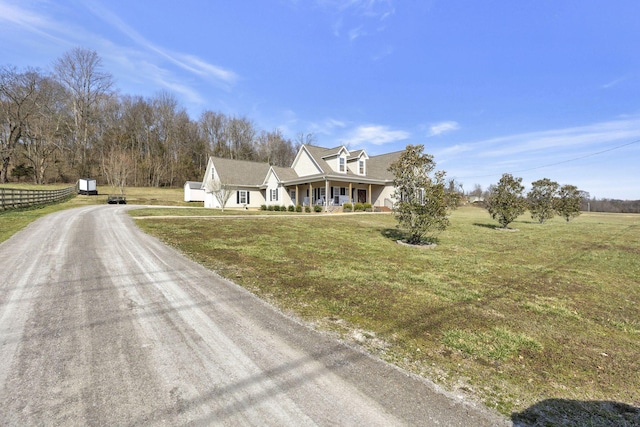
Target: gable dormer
<point x="337" y="159"/>
<point x="357" y="163"/>
<point x="342" y="163"/>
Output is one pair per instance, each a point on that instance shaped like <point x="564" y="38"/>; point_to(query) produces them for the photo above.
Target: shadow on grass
<point x="490" y="226"/>
<point x="396" y="234"/>
<point x="565" y="412"/>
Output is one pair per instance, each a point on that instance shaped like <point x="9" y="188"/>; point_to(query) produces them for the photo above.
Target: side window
<point x="243" y="197"/>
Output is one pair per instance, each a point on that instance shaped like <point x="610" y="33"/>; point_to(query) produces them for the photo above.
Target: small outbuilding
<point x="87" y="186"/>
<point x="193" y="191"/>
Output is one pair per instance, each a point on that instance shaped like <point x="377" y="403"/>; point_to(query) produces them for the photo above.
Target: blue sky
<point x="539" y="89"/>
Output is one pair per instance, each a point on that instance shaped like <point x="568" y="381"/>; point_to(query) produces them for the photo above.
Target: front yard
<point x="550" y="311"/>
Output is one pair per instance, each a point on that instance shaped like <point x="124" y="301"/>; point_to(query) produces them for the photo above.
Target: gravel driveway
<point x="101" y="324"/>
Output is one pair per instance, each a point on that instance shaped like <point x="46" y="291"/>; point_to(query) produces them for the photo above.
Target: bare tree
<point x="80" y="71"/>
<point x="213" y="127"/>
<point x="241" y="134"/>
<point x="46" y="129"/>
<point x="18" y="102"/>
<point x="273" y="148"/>
<point x="116" y="165"/>
<point x="221" y="191"/>
<point x="304" y="139"/>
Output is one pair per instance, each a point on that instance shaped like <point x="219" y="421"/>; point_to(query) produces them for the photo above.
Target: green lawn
<point x="513" y="318"/>
<point x="549" y="311"/>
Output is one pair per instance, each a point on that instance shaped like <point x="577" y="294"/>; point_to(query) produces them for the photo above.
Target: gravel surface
<point x="101" y="324"/>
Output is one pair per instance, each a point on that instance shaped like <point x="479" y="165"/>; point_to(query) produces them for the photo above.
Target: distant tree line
<point x="610" y="205"/>
<point x="71" y="122"/>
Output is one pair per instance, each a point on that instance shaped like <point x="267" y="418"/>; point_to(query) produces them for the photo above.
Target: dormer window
<point x="342" y="164"/>
<point x="361" y="169"/>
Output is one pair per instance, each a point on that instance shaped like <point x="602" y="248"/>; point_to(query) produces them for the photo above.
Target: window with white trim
<point x="342" y="164"/>
<point x="243" y="197"/>
<point x="361" y="167"/>
<point x="273" y="195"/>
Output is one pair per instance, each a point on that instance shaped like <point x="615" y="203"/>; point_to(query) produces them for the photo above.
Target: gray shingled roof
<point x="319" y="152"/>
<point x="377" y="166"/>
<point x="240" y="172"/>
<point x="253" y="174"/>
<point x="285" y="174"/>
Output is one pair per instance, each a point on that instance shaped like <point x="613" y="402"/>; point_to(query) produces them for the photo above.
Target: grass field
<point x="550" y="311"/>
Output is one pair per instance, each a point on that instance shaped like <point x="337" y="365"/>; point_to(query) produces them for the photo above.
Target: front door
<point x="362" y="196"/>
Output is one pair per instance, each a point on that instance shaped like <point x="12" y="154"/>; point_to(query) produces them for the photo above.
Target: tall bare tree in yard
<point x="221" y="191"/>
<point x="116" y="166"/>
<point x="80" y="71"/>
<point x="541" y="199"/>
<point x="505" y="201"/>
<point x="19" y="96"/>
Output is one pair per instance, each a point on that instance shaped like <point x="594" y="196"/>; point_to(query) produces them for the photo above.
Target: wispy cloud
<point x="142" y="60"/>
<point x="443" y="127"/>
<point x="328" y="126"/>
<point x="529" y="153"/>
<point x="188" y="62"/>
<point x="573" y="138"/>
<point x="614" y="82"/>
<point x="376" y="135"/>
<point x="360" y="17"/>
<point x="34" y="22"/>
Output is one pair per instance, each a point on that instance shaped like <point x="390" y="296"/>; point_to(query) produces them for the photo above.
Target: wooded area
<point x="71" y="122"/>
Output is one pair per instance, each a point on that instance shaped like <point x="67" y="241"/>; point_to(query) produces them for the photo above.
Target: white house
<point x="317" y="176"/>
<point x="193" y="192"/>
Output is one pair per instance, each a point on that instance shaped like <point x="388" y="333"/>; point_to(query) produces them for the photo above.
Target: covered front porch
<point x="330" y="193"/>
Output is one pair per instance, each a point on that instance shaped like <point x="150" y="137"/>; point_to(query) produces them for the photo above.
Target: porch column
<point x="310" y="195"/>
<point x="326" y="195"/>
<point x="369" y="195"/>
<point x="296" y="201"/>
<point x="351" y="193"/>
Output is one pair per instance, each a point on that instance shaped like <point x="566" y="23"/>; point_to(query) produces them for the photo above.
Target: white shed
<point x="87" y="186"/>
<point x="193" y="191"/>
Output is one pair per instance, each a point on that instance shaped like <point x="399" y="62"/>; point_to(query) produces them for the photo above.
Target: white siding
<point x="305" y="165"/>
<point x="378" y="197"/>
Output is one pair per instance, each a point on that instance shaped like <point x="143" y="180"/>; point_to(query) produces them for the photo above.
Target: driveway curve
<point x="101" y="324"/>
